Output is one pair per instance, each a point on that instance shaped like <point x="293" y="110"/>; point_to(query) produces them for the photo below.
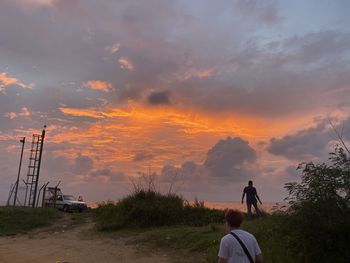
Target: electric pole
<point x="19" y="170"/>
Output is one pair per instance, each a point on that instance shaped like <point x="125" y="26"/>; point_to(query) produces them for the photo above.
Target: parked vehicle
<point x="55" y="198"/>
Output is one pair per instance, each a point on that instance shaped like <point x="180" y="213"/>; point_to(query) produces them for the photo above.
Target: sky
<point x="199" y="95"/>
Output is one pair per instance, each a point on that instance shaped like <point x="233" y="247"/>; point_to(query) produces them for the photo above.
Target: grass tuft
<point x="20" y="220"/>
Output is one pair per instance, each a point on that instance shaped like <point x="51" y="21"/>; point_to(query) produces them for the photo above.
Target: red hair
<point x="234" y="218"/>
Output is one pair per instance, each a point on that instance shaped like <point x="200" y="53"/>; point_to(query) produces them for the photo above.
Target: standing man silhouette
<point x="252" y="197"/>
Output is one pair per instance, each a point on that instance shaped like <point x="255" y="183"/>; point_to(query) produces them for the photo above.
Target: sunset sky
<point x="217" y="92"/>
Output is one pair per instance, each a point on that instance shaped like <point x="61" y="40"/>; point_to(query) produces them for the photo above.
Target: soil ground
<point x="72" y="242"/>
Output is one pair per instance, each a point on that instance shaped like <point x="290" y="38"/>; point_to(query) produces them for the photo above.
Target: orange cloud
<point x="113" y="49"/>
<point x="188" y="122"/>
<point x="203" y="73"/>
<point x="98" y="85"/>
<point x="169" y="135"/>
<point x="10" y="115"/>
<point x="92" y="113"/>
<point x="194" y="73"/>
<point x="119" y="133"/>
<point x="24" y="113"/>
<point x="125" y="63"/>
<point x="5" y="80"/>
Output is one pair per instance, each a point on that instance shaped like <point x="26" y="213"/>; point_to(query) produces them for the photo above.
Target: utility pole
<point x="19" y="170"/>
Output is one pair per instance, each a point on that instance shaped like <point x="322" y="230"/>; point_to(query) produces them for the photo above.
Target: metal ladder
<point x="34" y="169"/>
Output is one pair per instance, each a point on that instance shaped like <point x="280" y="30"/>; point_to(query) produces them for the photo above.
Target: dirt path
<point x="75" y="244"/>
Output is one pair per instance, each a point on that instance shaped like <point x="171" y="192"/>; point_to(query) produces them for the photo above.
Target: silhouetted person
<point x="238" y="245"/>
<point x="252" y="197"/>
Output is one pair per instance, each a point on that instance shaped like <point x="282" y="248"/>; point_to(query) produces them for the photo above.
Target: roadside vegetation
<point x="204" y="241"/>
<point x="148" y="208"/>
<point x="315" y="228"/>
<point x="319" y="216"/>
<point x="18" y="220"/>
<point x="166" y="221"/>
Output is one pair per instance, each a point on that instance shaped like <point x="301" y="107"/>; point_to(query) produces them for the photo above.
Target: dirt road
<point x="76" y="244"/>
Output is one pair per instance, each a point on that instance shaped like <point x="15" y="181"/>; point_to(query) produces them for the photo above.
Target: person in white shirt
<point x="231" y="251"/>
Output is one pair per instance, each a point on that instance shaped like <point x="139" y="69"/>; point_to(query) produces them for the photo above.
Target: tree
<point x="320" y="210"/>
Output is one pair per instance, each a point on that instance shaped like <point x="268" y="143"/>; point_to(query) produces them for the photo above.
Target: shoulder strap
<point x="244" y="247"/>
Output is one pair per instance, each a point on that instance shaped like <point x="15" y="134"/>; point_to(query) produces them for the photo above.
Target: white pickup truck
<point x="69" y="203"/>
<point x="63" y="202"/>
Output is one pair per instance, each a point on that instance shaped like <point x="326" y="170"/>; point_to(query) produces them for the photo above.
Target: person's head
<point x="233" y="218"/>
<point x="250" y="183"/>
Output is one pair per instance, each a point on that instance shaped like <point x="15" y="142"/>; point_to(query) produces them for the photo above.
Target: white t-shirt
<point x="231" y="250"/>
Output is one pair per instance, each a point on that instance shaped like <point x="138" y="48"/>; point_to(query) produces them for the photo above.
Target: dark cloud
<point x="67" y="6"/>
<point x="82" y="165"/>
<point x="264" y="11"/>
<point x="292" y="171"/>
<point x="169" y="172"/>
<point x="189" y="168"/>
<point x="302" y="74"/>
<point x="118" y="177"/>
<point x="159" y="98"/>
<point x="248" y="77"/>
<point x="101" y="172"/>
<point x="230" y="158"/>
<point x="43" y="107"/>
<point x="142" y="156"/>
<point x="323" y="46"/>
<point x="109" y="174"/>
<point x="179" y="179"/>
<point x="303" y="145"/>
<point x="55" y="165"/>
<point x="61" y="168"/>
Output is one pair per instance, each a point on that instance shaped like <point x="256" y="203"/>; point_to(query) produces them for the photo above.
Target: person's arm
<point x="258" y="198"/>
<point x="223" y="251"/>
<point x="243" y="195"/>
<point x="258" y="259"/>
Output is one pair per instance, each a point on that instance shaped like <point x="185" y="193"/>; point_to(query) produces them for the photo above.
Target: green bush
<point x="150" y="208"/>
<point x="319" y="216"/>
<point x="320" y="232"/>
<point x="273" y="235"/>
<point x="199" y="215"/>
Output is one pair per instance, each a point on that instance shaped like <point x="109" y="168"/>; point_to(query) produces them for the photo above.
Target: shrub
<point x="320" y="232"/>
<point x="320" y="211"/>
<point x="199" y="215"/>
<point x="150" y="208"/>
